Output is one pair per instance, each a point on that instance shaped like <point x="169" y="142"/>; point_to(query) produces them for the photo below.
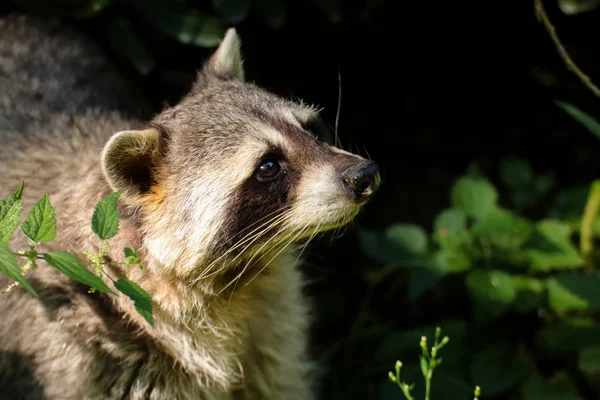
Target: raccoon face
<point x="233" y="171"/>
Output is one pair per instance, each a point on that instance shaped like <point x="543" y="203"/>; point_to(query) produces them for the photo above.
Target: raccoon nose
<point x="361" y="180"/>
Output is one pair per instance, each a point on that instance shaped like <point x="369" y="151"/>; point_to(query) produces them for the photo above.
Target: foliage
<point x="532" y="290"/>
<point x="190" y="22"/>
<point x="40" y="227"/>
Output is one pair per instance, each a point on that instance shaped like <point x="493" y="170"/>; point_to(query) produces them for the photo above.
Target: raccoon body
<point x="219" y="194"/>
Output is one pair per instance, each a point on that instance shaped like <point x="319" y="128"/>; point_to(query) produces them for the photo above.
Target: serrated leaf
<point x="40" y="224"/>
<point x="558" y="387"/>
<point x="125" y="40"/>
<point x="550" y="247"/>
<point x="10" y="268"/>
<point x="273" y="12"/>
<point x="70" y="265"/>
<point x="186" y="24"/>
<point x="589" y="360"/>
<point x="141" y="299"/>
<point x="476" y="197"/>
<point x="493" y="290"/>
<point x="582" y="117"/>
<point x="10" y="213"/>
<point x="232" y="11"/>
<point x="105" y="220"/>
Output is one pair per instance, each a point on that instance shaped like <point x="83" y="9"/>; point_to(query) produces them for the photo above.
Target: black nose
<point x="361" y="180"/>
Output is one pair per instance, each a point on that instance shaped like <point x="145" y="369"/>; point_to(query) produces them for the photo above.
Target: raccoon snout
<point x="361" y="180"/>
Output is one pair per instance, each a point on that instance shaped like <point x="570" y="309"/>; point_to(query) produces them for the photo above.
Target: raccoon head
<point x="233" y="171"/>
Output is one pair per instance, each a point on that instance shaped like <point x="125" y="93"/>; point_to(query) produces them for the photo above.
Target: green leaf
<point x="497" y="369"/>
<point x="407" y="238"/>
<point x="105" y="220"/>
<point x="572" y="7"/>
<point x="550" y="247"/>
<point x="71" y="266"/>
<point x="141" y="299"/>
<point x="232" y="11"/>
<point x="124" y="39"/>
<point x="10" y="213"/>
<point x="451" y="260"/>
<point x="10" y="268"/>
<point x="502" y="229"/>
<point x="450" y="222"/>
<point x="559" y="387"/>
<point x="583" y="118"/>
<point x="40" y="224"/>
<point x="187" y="25"/>
<point x="423" y="280"/>
<point x="475" y="196"/>
<point x="516" y="172"/>
<point x="530" y="293"/>
<point x="570" y="292"/>
<point x="273" y="12"/>
<point x="589" y="360"/>
<point x="493" y="290"/>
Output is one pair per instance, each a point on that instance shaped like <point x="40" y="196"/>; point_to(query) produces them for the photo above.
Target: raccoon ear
<point x="226" y="61"/>
<point x="129" y="158"/>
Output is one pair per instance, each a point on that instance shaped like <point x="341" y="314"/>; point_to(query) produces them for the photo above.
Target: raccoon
<point x="219" y="194"/>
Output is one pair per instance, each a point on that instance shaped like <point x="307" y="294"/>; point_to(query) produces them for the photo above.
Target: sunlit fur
<point x="219" y="248"/>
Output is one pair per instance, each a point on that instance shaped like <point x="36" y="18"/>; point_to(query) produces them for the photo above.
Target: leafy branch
<point x="40" y="227"/>
<point x="429" y="361"/>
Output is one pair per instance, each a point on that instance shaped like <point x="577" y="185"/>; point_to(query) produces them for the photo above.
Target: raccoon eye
<point x="269" y="169"/>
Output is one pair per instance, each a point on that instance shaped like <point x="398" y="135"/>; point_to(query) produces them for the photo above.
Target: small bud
<point x="445" y="340"/>
<point x="477" y="391"/>
<point x="392" y="376"/>
<point x="398" y="365"/>
<point x="438" y="332"/>
<point x="433" y="351"/>
<point x="423" y="342"/>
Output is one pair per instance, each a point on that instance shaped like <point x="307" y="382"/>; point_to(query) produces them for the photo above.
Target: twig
<point x="543" y="17"/>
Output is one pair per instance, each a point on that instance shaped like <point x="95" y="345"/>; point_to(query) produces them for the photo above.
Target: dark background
<point x="428" y="88"/>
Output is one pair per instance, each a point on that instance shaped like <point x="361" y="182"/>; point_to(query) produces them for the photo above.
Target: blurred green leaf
<point x="570" y="203"/>
<point x="232" y="11"/>
<point x="422" y="280"/>
<point x="550" y="247"/>
<point x="475" y="196"/>
<point x="186" y="24"/>
<point x="570" y="292"/>
<point x="572" y="7"/>
<point x="407" y="238"/>
<point x="516" y="172"/>
<point x="493" y="290"/>
<point x="502" y="230"/>
<point x="450" y="222"/>
<point x="123" y="38"/>
<point x="497" y="369"/>
<point x="560" y="387"/>
<point x="530" y="293"/>
<point x="273" y="12"/>
<point x="589" y="360"/>
<point x="582" y="117"/>
<point x="451" y="260"/>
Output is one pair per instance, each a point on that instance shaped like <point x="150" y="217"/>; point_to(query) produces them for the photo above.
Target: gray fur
<point x="228" y="324"/>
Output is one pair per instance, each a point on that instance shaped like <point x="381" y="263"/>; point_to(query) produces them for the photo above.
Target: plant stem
<point x="589" y="216"/>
